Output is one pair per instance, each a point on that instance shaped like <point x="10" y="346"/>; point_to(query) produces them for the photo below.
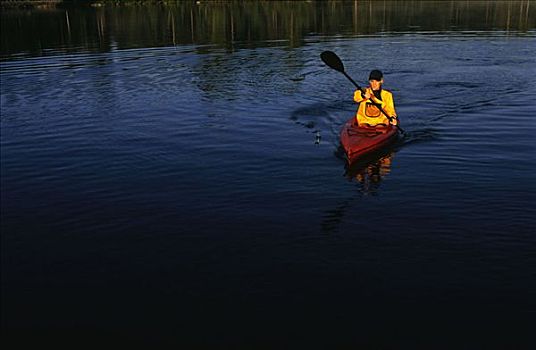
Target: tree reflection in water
<point x="103" y="26"/>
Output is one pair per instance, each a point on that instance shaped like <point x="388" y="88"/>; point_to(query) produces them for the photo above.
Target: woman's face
<point x="375" y="84"/>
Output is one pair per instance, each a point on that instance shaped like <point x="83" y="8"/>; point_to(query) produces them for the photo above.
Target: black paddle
<point x="331" y="59"/>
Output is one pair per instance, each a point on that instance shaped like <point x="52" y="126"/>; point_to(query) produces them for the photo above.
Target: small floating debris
<point x="317" y="138"/>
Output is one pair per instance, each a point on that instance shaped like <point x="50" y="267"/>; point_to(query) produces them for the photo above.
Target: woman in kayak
<point x="370" y="115"/>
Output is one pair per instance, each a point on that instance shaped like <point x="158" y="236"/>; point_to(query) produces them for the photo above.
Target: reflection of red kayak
<point x="359" y="141"/>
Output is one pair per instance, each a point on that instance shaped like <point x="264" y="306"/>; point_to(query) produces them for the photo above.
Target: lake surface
<point x="166" y="181"/>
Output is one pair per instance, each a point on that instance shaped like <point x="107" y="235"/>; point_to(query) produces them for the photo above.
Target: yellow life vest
<point x="368" y="113"/>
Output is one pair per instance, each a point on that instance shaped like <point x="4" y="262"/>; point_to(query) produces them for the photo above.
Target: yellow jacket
<point x="367" y="113"/>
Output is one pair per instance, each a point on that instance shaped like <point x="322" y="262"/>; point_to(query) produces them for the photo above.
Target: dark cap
<point x="376" y="75"/>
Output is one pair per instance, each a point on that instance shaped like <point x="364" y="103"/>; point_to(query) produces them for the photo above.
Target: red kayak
<point x="359" y="141"/>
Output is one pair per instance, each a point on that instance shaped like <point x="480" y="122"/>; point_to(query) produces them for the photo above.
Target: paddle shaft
<point x="352" y="80"/>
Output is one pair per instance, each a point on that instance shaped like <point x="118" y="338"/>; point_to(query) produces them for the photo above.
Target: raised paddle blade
<point x="332" y="60"/>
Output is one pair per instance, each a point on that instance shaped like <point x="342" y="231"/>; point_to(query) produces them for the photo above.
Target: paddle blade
<point x="332" y="60"/>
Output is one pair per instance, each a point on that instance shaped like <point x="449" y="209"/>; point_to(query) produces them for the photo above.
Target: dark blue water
<point x="197" y="195"/>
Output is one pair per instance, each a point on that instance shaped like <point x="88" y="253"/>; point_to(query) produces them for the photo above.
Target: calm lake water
<point x="172" y="173"/>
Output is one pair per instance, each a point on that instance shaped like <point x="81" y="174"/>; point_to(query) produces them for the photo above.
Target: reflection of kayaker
<point x="374" y="102"/>
<point x="371" y="175"/>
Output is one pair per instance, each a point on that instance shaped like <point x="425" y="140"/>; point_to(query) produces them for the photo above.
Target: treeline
<point x="100" y="24"/>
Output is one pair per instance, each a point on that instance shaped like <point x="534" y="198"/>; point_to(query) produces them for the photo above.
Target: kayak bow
<point x="359" y="141"/>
